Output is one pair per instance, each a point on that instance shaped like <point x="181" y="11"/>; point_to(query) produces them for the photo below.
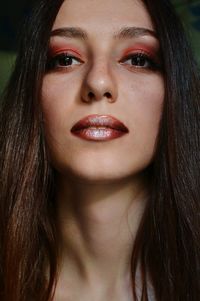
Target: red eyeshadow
<point x="140" y="47"/>
<point x="55" y="50"/>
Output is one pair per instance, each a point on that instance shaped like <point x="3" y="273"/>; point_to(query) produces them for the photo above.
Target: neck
<point x="98" y="223"/>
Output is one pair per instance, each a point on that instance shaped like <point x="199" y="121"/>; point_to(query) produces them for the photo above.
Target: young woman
<point x="99" y="152"/>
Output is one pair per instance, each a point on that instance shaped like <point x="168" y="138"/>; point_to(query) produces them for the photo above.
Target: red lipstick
<point x="99" y="128"/>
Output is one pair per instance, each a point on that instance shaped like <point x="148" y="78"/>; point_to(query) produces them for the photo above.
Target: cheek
<point x="145" y="103"/>
<point x="57" y="92"/>
<point x="148" y="105"/>
<point x="148" y="113"/>
<point x="57" y="104"/>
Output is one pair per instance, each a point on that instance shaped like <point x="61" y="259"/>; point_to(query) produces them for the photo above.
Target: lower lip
<point x="95" y="134"/>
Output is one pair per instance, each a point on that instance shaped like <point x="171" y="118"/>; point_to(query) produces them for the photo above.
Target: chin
<point x="105" y="171"/>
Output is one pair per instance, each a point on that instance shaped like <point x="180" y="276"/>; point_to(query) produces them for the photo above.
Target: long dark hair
<point x="168" y="239"/>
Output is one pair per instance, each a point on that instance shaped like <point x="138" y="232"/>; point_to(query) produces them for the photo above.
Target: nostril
<point x="108" y="95"/>
<point x="91" y="95"/>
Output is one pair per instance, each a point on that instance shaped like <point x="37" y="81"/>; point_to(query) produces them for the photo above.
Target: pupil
<point x="138" y="61"/>
<point x="65" y="60"/>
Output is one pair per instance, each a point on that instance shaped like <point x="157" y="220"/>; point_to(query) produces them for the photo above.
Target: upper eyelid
<point x="156" y="58"/>
<point x="141" y="43"/>
<point x="148" y="55"/>
<point x="57" y="55"/>
<point x="144" y="55"/>
<point x="65" y="53"/>
<point x="75" y="55"/>
<point x="126" y="57"/>
<point x="154" y="64"/>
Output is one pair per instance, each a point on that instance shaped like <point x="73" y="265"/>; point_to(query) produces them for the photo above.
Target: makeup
<point x="143" y="57"/>
<point x="54" y="50"/>
<point x="99" y="128"/>
<point x="140" y="48"/>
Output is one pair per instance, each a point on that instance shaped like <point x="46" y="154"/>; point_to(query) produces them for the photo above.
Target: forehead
<point x="103" y="15"/>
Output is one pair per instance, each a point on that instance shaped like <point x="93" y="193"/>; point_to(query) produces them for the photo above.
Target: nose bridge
<point x="99" y="80"/>
<point x="99" y="75"/>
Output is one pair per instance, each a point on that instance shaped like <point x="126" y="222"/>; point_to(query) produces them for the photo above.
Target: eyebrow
<point x="123" y="33"/>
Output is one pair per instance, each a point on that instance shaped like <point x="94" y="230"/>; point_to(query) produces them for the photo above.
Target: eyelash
<point x="53" y="63"/>
<point x="138" y="56"/>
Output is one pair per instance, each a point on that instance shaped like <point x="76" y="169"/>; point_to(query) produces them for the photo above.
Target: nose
<point x="99" y="83"/>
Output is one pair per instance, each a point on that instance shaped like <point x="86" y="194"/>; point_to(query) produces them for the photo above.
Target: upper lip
<point x="95" y="120"/>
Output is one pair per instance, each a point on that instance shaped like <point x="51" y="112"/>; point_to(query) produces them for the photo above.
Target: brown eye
<point x="62" y="60"/>
<point x="141" y="60"/>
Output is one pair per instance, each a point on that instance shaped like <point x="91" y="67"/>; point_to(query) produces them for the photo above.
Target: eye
<point x="62" y="60"/>
<point x="141" y="60"/>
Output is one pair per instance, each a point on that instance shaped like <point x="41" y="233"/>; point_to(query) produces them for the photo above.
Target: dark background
<point x="12" y="14"/>
<point x="11" y="18"/>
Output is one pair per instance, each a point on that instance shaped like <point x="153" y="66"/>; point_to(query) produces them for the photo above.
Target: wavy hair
<point x="168" y="239"/>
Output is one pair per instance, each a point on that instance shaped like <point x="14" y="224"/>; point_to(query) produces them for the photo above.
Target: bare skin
<point x="102" y="187"/>
<point x="97" y="232"/>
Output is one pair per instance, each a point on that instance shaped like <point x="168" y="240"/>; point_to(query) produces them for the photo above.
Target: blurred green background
<point x="12" y="14"/>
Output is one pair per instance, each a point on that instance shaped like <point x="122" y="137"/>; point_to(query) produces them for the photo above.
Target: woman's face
<point x="105" y="60"/>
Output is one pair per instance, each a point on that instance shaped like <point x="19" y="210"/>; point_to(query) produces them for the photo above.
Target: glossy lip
<point x="99" y="128"/>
